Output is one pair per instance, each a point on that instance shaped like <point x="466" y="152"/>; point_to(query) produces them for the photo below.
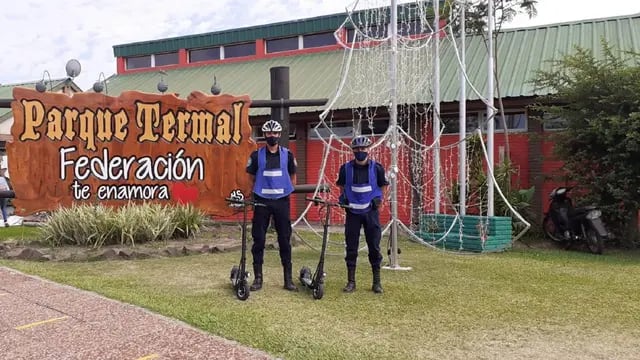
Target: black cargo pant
<point x="370" y="221"/>
<point x="280" y="210"/>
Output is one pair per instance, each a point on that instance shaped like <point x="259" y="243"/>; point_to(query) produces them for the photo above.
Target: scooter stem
<point x="244" y="241"/>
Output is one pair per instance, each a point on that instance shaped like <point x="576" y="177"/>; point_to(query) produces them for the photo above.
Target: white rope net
<point x="365" y="88"/>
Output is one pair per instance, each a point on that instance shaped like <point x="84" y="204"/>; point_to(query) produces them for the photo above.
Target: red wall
<point x="551" y="168"/>
<point x="339" y="154"/>
<point x="449" y="171"/>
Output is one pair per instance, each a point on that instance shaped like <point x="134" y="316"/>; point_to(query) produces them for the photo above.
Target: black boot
<point x="288" y="282"/>
<point x="376" y="287"/>
<point x="257" y="279"/>
<point x="351" y="280"/>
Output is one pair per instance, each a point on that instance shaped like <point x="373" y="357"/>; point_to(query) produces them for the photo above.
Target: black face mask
<point x="272" y="140"/>
<point x="361" y="155"/>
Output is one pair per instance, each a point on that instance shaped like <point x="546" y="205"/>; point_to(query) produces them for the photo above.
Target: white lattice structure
<point x="380" y="66"/>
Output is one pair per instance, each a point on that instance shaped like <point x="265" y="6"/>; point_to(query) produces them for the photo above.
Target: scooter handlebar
<point x="244" y="202"/>
<point x="317" y="200"/>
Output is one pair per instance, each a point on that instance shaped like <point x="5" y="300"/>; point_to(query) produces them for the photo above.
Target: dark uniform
<point x="272" y="188"/>
<point x="363" y="192"/>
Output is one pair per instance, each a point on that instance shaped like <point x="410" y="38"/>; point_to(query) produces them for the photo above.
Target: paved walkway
<point x="40" y="319"/>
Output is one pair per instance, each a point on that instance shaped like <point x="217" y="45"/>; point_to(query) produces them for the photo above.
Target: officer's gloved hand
<point x="375" y="203"/>
<point x="342" y="200"/>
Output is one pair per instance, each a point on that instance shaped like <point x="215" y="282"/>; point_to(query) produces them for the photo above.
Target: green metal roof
<point x="317" y="24"/>
<point x="519" y="53"/>
<point x="6" y="91"/>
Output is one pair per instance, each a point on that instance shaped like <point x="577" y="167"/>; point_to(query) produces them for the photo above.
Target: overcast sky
<point x="40" y="35"/>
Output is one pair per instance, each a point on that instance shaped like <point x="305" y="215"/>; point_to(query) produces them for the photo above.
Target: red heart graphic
<point x="184" y="194"/>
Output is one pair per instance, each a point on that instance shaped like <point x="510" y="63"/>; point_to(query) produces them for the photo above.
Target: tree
<point x="599" y="98"/>
<point x="504" y="11"/>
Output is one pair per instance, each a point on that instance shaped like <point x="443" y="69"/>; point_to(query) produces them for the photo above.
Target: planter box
<point x="466" y="233"/>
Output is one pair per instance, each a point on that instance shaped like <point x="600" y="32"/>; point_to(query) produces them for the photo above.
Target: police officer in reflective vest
<point x="363" y="184"/>
<point x="273" y="172"/>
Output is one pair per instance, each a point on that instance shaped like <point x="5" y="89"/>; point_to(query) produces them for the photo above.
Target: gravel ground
<point x="40" y="319"/>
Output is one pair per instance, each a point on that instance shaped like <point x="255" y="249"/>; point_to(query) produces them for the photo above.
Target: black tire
<point x="242" y="291"/>
<point x="305" y="273"/>
<point x="235" y="274"/>
<point x="549" y="229"/>
<point x="595" y="242"/>
<point x="318" y="292"/>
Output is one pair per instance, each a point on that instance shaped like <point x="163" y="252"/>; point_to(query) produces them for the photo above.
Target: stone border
<point x="216" y="239"/>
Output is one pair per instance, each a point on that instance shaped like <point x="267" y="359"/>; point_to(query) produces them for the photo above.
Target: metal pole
<point x="6" y="103"/>
<point x="462" y="146"/>
<point x="436" y="107"/>
<point x="393" y="123"/>
<point x="289" y="103"/>
<point x="280" y="91"/>
<point x="490" y="112"/>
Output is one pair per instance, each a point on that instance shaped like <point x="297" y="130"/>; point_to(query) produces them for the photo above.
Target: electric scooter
<point x="239" y="276"/>
<point x="315" y="282"/>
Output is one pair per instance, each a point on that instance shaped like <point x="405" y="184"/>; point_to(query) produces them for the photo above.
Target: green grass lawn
<point x="446" y="306"/>
<point x="19" y="233"/>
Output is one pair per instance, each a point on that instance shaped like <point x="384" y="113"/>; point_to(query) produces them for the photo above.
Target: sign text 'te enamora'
<point x="134" y="147"/>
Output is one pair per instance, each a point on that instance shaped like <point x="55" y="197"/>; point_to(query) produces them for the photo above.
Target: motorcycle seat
<point x="584" y="209"/>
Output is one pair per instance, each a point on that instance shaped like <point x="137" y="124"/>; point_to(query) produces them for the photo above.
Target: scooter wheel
<point x="305" y="273"/>
<point x="235" y="271"/>
<point x="242" y="291"/>
<point x="318" y="292"/>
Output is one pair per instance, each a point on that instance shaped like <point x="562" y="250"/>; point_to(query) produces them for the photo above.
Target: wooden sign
<point x="91" y="147"/>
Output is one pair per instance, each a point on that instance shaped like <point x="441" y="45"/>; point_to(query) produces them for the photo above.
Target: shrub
<point x="188" y="220"/>
<point x="98" y="225"/>
<point x="477" y="193"/>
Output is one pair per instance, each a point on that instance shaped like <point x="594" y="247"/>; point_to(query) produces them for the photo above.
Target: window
<point x="138" y="62"/>
<point x="552" y="122"/>
<point x="375" y="127"/>
<point x="317" y="40"/>
<point x="166" y="59"/>
<point x="515" y="121"/>
<point x="410" y="28"/>
<point x="204" y="54"/>
<point x="339" y="128"/>
<point x="452" y="123"/>
<point x="256" y="132"/>
<point x="346" y="128"/>
<point x="283" y="44"/>
<point x="368" y="33"/>
<point x="232" y="51"/>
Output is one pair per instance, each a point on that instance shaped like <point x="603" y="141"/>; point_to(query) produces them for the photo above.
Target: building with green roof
<point x="240" y="60"/>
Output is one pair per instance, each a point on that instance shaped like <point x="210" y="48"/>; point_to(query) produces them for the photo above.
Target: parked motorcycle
<point x="569" y="225"/>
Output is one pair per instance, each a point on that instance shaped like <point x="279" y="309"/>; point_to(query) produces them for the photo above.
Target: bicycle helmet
<point x="360" y="141"/>
<point x="271" y="126"/>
